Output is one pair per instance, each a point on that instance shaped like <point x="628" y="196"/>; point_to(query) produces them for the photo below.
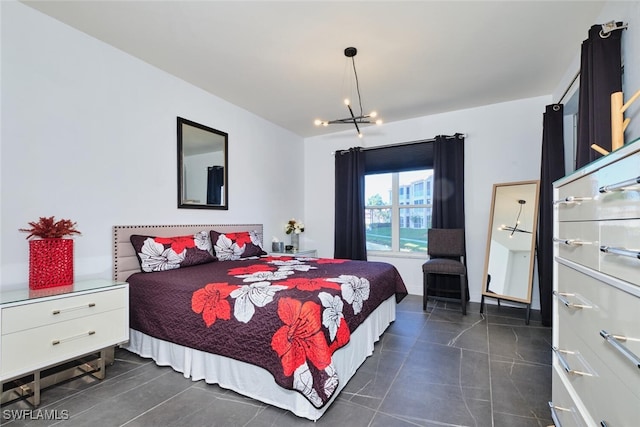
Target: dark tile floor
<point x="433" y="368"/>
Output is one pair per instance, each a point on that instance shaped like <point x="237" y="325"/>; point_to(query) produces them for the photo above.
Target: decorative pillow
<point x="168" y="253"/>
<point x="231" y="246"/>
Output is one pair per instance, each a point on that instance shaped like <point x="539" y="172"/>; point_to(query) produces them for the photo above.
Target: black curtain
<point x="551" y="169"/>
<point x="448" y="201"/>
<point x="350" y="241"/>
<point x="600" y="76"/>
<point x="215" y="181"/>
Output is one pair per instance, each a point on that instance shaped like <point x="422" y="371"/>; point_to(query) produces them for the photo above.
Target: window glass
<point x="396" y="214"/>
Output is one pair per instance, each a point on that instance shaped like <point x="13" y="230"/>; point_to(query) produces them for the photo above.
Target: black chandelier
<point x="515" y="228"/>
<point x="362" y="118"/>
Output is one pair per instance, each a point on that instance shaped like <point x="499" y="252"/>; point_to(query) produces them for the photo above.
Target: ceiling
<point x="284" y="60"/>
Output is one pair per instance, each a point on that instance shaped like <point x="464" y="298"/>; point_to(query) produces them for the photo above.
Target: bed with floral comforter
<point x="287" y="315"/>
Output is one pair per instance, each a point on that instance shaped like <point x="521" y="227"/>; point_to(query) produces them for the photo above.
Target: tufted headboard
<point x="125" y="261"/>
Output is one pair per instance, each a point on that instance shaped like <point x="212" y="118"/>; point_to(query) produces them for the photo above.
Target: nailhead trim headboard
<point x="125" y="261"/>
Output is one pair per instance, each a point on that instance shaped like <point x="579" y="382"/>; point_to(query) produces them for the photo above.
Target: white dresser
<point x="44" y="328"/>
<point x="596" y="304"/>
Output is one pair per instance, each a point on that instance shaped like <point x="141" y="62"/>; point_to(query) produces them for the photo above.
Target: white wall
<point x="502" y="144"/>
<point x="89" y="134"/>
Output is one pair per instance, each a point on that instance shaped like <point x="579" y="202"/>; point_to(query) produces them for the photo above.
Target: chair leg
<point x="463" y="295"/>
<point x="424" y="291"/>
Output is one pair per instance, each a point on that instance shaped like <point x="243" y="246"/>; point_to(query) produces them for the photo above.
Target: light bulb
<point x="346" y="101"/>
<point x="318" y="122"/>
<point x="378" y="122"/>
<point x="359" y="134"/>
<point x="373" y="114"/>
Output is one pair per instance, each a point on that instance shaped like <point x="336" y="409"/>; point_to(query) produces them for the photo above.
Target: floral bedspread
<point x="287" y="315"/>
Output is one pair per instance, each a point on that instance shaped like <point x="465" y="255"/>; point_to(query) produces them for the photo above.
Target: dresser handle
<point x="561" y="296"/>
<point x="620" y="186"/>
<point x="60" y="341"/>
<point x="554" y="415"/>
<point x="571" y="242"/>
<point x="613" y="340"/>
<point x="91" y="304"/>
<point x="571" y="199"/>
<point x="620" y="251"/>
<point x="565" y="364"/>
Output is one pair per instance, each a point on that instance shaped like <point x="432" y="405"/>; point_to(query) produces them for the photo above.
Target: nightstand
<point x="54" y="334"/>
<point x="311" y="253"/>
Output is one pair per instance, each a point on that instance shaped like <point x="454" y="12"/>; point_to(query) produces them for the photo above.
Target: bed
<point x="287" y="331"/>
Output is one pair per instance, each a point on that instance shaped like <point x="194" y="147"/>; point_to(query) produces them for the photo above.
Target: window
<point x="396" y="215"/>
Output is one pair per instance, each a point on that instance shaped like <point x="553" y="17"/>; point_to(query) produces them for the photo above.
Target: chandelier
<point x="362" y="118"/>
<point x="516" y="228"/>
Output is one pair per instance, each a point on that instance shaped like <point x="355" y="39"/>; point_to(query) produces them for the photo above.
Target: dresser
<point x="73" y="325"/>
<point x="596" y="304"/>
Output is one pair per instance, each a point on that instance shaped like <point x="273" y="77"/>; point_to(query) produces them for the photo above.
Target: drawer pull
<point x="60" y="341"/>
<point x="571" y="242"/>
<point x="91" y="304"/>
<point x="565" y="364"/>
<point x="554" y="415"/>
<point x="621" y="186"/>
<point x="571" y="199"/>
<point x="561" y="296"/>
<point x="620" y="251"/>
<point x="614" y="341"/>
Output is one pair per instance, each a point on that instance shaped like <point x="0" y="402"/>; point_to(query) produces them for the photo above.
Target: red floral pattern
<point x="178" y="244"/>
<point x="241" y="239"/>
<point x="212" y="302"/>
<point x="255" y="268"/>
<point x="300" y="339"/>
<point x="309" y="284"/>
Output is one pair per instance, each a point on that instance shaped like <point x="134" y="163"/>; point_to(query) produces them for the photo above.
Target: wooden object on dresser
<point x="72" y="328"/>
<point x="596" y="308"/>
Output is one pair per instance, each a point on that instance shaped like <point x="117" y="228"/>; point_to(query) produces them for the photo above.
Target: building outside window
<point x="397" y="214"/>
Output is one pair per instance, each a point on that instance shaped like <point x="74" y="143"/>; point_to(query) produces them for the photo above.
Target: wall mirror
<point x="202" y="167"/>
<point x="510" y="252"/>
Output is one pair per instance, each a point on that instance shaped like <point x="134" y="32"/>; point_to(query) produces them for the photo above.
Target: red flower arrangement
<point x="49" y="228"/>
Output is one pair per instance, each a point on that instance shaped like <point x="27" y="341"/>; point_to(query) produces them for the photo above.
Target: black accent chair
<point x="446" y="257"/>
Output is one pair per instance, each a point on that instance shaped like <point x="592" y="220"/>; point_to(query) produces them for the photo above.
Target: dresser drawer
<point x="595" y="307"/>
<point x="623" y="234"/>
<point x="564" y="411"/>
<point x="35" y="314"/>
<point x="619" y="204"/>
<point x="575" y="200"/>
<point x="35" y="348"/>
<point x="579" y="242"/>
<point x="600" y="391"/>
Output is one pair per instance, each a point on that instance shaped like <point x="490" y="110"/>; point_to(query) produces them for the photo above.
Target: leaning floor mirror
<point x="511" y="244"/>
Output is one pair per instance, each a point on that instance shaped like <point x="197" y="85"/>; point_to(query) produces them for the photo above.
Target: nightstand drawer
<point x="36" y="348"/>
<point x="35" y="314"/>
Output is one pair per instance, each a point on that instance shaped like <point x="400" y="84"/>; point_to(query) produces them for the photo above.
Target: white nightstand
<point x="42" y="329"/>
<point x="311" y="253"/>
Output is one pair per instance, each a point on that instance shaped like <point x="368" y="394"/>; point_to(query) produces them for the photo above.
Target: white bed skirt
<point x="255" y="382"/>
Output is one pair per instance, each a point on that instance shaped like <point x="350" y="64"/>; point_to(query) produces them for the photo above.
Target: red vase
<point x="50" y="263"/>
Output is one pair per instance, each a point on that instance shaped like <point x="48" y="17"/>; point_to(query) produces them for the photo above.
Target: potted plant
<point x="294" y="228"/>
<point x="50" y="252"/>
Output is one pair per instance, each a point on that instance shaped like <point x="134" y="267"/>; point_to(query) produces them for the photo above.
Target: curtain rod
<point x="454" y="136"/>
<point x="566" y="91"/>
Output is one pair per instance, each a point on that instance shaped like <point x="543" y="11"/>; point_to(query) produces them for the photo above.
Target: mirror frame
<point x="181" y="203"/>
<point x="492" y="229"/>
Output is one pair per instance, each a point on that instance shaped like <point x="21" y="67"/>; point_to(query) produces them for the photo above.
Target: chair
<point x="446" y="257"/>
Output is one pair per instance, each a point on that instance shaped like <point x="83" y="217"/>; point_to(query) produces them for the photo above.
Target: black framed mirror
<point x="203" y="181"/>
